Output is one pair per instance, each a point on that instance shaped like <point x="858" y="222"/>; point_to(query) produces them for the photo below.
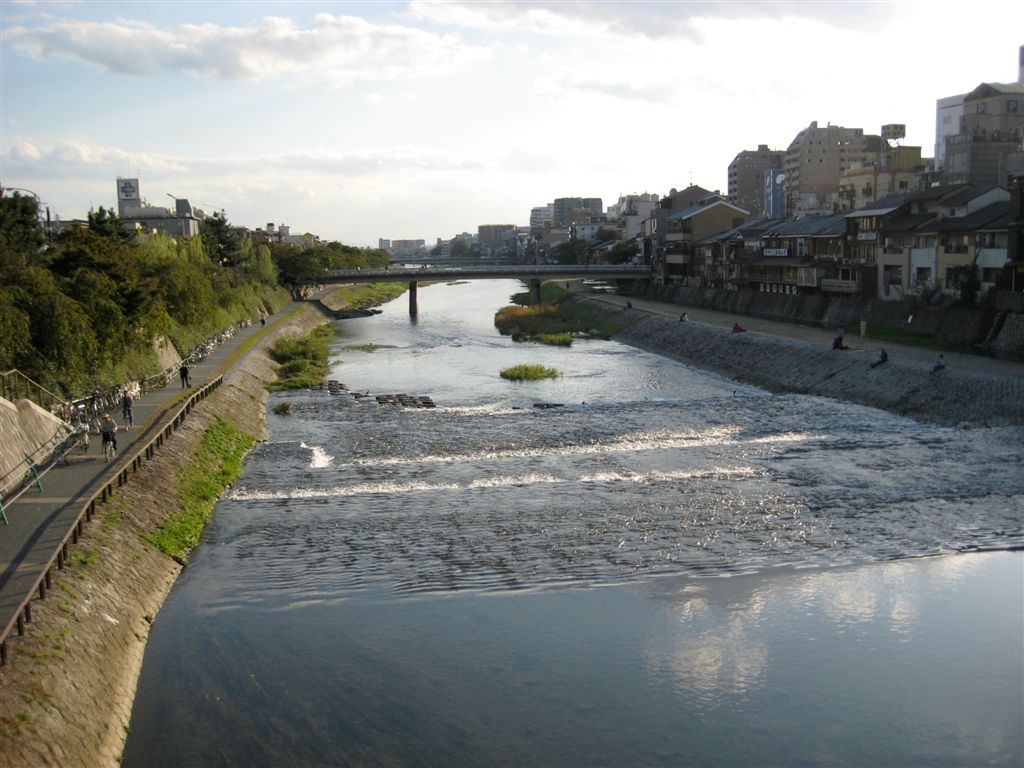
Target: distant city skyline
<point x="419" y="120"/>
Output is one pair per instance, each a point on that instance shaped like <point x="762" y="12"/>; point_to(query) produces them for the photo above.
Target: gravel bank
<point x="66" y="692"/>
<point x="907" y="387"/>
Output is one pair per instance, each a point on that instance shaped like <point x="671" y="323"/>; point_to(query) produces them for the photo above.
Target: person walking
<point x="186" y="375"/>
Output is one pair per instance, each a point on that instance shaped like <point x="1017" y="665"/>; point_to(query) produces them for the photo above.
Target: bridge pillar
<point x="534" y="291"/>
<point x="413" y="308"/>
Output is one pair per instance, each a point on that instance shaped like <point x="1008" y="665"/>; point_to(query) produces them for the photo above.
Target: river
<point x="658" y="567"/>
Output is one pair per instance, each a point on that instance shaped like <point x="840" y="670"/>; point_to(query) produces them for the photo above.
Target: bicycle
<point x="109" y="447"/>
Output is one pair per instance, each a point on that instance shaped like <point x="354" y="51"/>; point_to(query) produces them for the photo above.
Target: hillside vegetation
<point x="82" y="311"/>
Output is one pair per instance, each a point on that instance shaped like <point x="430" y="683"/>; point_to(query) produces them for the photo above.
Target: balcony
<point x="833" y="285"/>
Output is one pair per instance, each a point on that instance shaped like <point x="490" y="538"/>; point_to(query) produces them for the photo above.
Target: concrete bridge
<point x="532" y="274"/>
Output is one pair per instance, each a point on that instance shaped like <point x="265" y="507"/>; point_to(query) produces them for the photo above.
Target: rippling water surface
<point x="494" y="583"/>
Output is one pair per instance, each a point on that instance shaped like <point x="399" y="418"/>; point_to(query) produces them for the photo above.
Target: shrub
<point x="529" y="373"/>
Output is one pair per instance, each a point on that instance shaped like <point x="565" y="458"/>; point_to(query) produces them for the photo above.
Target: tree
<point x="221" y="241"/>
<point x="21" y="236"/>
<point x="570" y="252"/>
<point x="300" y="267"/>
<point x="460" y="249"/>
<point x="621" y="253"/>
<point x="106" y="223"/>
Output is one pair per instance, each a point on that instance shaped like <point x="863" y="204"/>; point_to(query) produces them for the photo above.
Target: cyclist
<point x="127" y="403"/>
<point x="108" y="428"/>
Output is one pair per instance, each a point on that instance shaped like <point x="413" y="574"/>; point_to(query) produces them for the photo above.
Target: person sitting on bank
<point x="682" y="318"/>
<point x="837" y="343"/>
<point x="737" y="328"/>
<point x="883" y="357"/>
<point x="940" y="364"/>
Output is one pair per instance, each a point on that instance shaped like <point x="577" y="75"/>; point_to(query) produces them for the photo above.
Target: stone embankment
<point x="66" y="693"/>
<point x="952" y="396"/>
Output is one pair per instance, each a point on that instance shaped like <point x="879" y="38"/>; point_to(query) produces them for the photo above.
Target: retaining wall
<point x="955" y="325"/>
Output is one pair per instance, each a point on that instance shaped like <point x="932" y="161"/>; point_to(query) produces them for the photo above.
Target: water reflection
<point x="726" y="632"/>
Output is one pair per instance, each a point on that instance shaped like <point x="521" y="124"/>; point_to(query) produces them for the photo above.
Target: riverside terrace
<point x="532" y="274"/>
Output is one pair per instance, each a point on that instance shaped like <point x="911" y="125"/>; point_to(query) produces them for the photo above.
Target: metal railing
<point x="15" y="385"/>
<point x="115" y="478"/>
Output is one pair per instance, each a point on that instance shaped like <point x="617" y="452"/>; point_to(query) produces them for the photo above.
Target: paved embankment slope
<point x="962" y="393"/>
<point x="66" y="694"/>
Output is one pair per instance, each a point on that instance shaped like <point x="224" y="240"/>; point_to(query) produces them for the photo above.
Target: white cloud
<point x="75" y="157"/>
<point x="334" y="49"/>
<point x="653" y="20"/>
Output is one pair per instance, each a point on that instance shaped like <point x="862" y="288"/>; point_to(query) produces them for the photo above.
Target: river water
<point x="659" y="567"/>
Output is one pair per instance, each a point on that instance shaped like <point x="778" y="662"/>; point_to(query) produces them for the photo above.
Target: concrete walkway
<point x="819" y="337"/>
<point x="38" y="520"/>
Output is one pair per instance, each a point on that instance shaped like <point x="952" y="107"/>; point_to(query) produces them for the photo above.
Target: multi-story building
<point x="685" y="228"/>
<point x="747" y="175"/>
<point x="494" y="237"/>
<point x="805" y="254"/>
<point x="953" y="119"/>
<point x="572" y="210"/>
<point x="817" y="158"/>
<point x="651" y="240"/>
<point x="138" y="216"/>
<point x="630" y="212"/>
<point x="916" y="239"/>
<point x="898" y="171"/>
<point x="541" y="215"/>
<point x="991" y="130"/>
<point x="948" y="112"/>
<point x="719" y="259"/>
<point x="407" y="247"/>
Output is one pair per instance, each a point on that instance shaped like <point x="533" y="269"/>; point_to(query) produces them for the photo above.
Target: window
<point x="1012" y="105"/>
<point x="980" y="109"/>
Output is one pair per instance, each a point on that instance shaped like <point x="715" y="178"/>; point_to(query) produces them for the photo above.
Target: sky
<point x="421" y="120"/>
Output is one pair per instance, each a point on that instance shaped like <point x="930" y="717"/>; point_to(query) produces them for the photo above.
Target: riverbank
<point x="904" y="386"/>
<point x="69" y="683"/>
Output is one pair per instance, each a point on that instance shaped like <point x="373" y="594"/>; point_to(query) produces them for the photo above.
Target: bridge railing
<point x="537" y="270"/>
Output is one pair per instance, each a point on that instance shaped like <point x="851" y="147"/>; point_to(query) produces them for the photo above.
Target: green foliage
<point x="553" y="339"/>
<point x="283" y="408"/>
<point x="621" y="253"/>
<point x="366" y="295"/>
<point x="572" y="251"/>
<point x="529" y="373"/>
<point x="367" y="347"/>
<point x="88" y="317"/>
<point x="107" y="224"/>
<point x="460" y="249"/>
<point x="303" y="266"/>
<point x="220" y="240"/>
<point x="302" y="361"/>
<point x="560" y="313"/>
<point x="216" y="464"/>
<point x="21" y="235"/>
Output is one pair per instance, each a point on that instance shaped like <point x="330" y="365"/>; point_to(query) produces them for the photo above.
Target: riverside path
<point x="814" y="335"/>
<point x="39" y="519"/>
